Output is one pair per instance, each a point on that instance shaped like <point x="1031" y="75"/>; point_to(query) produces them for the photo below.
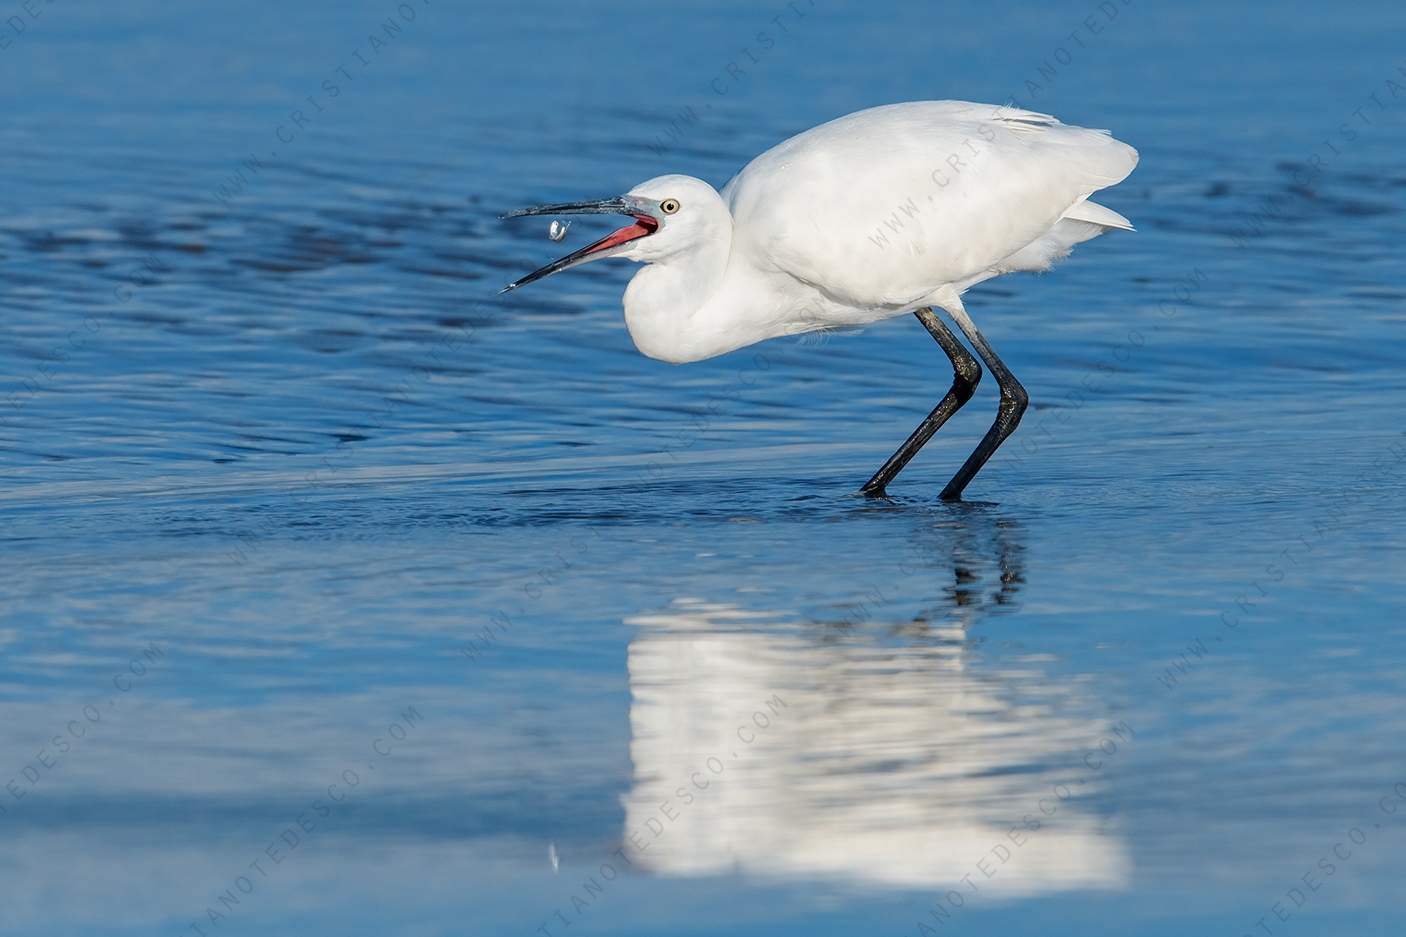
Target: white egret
<point x="890" y="210"/>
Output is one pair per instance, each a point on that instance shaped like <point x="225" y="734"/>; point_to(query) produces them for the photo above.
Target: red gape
<point x="643" y="225"/>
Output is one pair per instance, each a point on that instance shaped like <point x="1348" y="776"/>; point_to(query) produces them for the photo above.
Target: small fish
<point x="558" y="230"/>
<point x="552" y="846"/>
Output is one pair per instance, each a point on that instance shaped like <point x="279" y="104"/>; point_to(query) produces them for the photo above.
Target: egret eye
<point x="669" y="206"/>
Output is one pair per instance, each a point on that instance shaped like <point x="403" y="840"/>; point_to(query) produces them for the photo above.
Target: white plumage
<point x="883" y="209"/>
<point x="890" y="210"/>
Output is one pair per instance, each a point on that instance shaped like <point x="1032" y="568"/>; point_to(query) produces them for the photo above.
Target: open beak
<point x="644" y="225"/>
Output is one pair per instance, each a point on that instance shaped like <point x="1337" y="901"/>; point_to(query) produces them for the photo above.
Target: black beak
<point x="605" y="206"/>
<point x="644" y="225"/>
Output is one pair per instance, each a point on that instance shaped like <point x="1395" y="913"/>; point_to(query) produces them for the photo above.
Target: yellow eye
<point x="669" y="206"/>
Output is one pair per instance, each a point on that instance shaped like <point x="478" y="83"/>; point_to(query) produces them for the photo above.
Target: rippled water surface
<point x="343" y="595"/>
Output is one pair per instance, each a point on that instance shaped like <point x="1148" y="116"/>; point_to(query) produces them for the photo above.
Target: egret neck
<point x="671" y="304"/>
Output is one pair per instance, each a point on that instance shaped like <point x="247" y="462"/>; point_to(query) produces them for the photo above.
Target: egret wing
<point x="887" y="205"/>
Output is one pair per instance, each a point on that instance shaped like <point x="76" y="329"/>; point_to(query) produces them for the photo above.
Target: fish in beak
<point x="638" y="208"/>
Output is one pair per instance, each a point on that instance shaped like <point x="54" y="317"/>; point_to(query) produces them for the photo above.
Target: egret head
<point x="672" y="213"/>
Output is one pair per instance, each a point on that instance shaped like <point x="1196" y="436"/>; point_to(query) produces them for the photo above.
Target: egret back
<point x="884" y="207"/>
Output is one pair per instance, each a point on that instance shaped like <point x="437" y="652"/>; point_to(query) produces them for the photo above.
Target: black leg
<point x="1013" y="403"/>
<point x="966" y="374"/>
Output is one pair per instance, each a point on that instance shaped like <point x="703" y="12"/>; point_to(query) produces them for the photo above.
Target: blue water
<point x="344" y="596"/>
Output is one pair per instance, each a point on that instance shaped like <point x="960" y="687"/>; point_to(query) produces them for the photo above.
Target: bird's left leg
<point x="966" y="374"/>
<point x="1013" y="402"/>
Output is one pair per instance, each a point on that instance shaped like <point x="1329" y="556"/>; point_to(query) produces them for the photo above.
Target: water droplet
<point x="558" y="230"/>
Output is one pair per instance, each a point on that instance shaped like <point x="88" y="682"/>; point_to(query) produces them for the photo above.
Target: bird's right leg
<point x="966" y="374"/>
<point x="1014" y="400"/>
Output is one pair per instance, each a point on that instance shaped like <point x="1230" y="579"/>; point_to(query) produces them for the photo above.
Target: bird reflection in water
<point x="870" y="750"/>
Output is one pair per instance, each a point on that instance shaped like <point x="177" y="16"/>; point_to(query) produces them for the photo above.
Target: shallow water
<point x="343" y="595"/>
